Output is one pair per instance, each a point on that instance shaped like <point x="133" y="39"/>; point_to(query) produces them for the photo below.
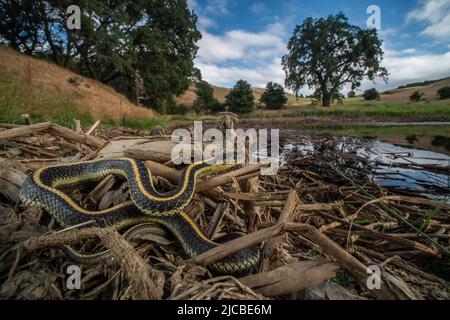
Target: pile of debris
<point x="323" y="233"/>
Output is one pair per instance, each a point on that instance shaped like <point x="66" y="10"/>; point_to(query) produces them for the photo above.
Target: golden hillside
<point x="189" y="96"/>
<point x="45" y="90"/>
<point x="402" y="95"/>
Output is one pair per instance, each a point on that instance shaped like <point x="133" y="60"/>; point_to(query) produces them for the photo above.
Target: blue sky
<point x="246" y="39"/>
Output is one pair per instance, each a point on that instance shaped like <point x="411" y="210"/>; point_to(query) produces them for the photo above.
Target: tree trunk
<point x="326" y="99"/>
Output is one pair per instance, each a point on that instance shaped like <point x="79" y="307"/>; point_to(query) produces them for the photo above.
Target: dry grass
<point x="189" y="96"/>
<point x="403" y="95"/>
<point x="44" y="78"/>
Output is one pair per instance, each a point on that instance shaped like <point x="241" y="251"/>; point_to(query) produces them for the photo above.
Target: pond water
<point x="426" y="135"/>
<point x="408" y="157"/>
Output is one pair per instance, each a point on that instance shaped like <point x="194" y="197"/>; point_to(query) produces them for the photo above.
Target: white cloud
<point x="240" y="54"/>
<point x="258" y="8"/>
<point x="205" y="23"/>
<point x="406" y="67"/>
<point x="409" y="51"/>
<point x="193" y="5"/>
<point x="241" y="44"/>
<point x="437" y="14"/>
<point x="218" y="7"/>
<point x="418" y="67"/>
<point x="257" y="76"/>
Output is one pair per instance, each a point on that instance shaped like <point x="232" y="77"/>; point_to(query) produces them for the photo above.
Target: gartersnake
<point x="147" y="205"/>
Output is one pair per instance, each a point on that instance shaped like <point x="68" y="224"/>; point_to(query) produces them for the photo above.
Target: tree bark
<point x="326" y="99"/>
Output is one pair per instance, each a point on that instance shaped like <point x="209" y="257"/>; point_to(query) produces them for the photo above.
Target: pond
<point x="427" y="136"/>
<point x="411" y="158"/>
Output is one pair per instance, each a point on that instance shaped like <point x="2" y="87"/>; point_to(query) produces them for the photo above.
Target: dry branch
<point x="24" y="130"/>
<point x="71" y="135"/>
<point x="291" y="278"/>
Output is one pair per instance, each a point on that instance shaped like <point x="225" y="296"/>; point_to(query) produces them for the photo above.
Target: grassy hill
<point x="403" y="94"/>
<point x="51" y="93"/>
<point x="395" y="95"/>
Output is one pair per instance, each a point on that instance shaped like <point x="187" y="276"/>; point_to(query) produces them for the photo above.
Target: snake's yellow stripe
<point x="41" y="188"/>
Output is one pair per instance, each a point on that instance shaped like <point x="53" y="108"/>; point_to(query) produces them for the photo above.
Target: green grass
<point x="356" y="107"/>
<point x="141" y="124"/>
<point x="190" y="117"/>
<point x="380" y="109"/>
<point x="17" y="99"/>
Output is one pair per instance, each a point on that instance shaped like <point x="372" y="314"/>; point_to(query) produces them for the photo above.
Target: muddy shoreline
<point x="321" y="121"/>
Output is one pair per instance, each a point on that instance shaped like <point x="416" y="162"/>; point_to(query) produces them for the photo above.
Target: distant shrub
<point x="416" y="96"/>
<point x="216" y="106"/>
<point x="371" y="94"/>
<point x="205" y="100"/>
<point x="240" y="99"/>
<point x="173" y="108"/>
<point x="274" y="97"/>
<point x="182" y="109"/>
<point x="197" y="107"/>
<point x="75" y="81"/>
<point x="351" y="94"/>
<point x="444" y="93"/>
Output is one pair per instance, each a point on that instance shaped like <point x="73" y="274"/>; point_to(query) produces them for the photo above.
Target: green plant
<point x="76" y="81"/>
<point x="142" y="124"/>
<point x="444" y="93"/>
<point x="182" y="109"/>
<point x="274" y="97"/>
<point x="416" y="96"/>
<point x="240" y="99"/>
<point x="42" y="105"/>
<point x="171" y="106"/>
<point x="205" y="100"/>
<point x="351" y="94"/>
<point x="371" y="94"/>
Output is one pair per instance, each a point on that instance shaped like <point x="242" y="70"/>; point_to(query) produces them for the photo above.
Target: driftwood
<point x="55" y="129"/>
<point x="291" y="278"/>
<point x="159" y="151"/>
<point x="11" y="180"/>
<point x="20" y="131"/>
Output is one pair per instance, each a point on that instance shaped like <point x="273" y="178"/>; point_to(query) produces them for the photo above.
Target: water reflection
<point x="417" y="171"/>
<point x="441" y="141"/>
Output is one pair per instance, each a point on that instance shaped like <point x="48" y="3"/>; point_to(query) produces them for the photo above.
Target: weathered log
<point x="291" y="278"/>
<point x="24" y="130"/>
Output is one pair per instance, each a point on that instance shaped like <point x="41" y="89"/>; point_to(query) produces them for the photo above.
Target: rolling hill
<point x="395" y="95"/>
<point x="403" y="94"/>
<point x="189" y="95"/>
<point x="49" y="92"/>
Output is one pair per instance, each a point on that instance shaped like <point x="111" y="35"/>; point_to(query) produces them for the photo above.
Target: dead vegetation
<point x="319" y="229"/>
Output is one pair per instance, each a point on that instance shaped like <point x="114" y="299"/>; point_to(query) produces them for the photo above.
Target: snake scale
<point x="43" y="187"/>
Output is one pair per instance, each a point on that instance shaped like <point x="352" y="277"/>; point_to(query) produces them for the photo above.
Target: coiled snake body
<point x="147" y="205"/>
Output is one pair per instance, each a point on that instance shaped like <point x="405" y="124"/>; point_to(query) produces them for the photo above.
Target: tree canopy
<point x="326" y="54"/>
<point x="205" y="100"/>
<point x="274" y="97"/>
<point x="120" y="43"/>
<point x="371" y="94"/>
<point x="240" y="99"/>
